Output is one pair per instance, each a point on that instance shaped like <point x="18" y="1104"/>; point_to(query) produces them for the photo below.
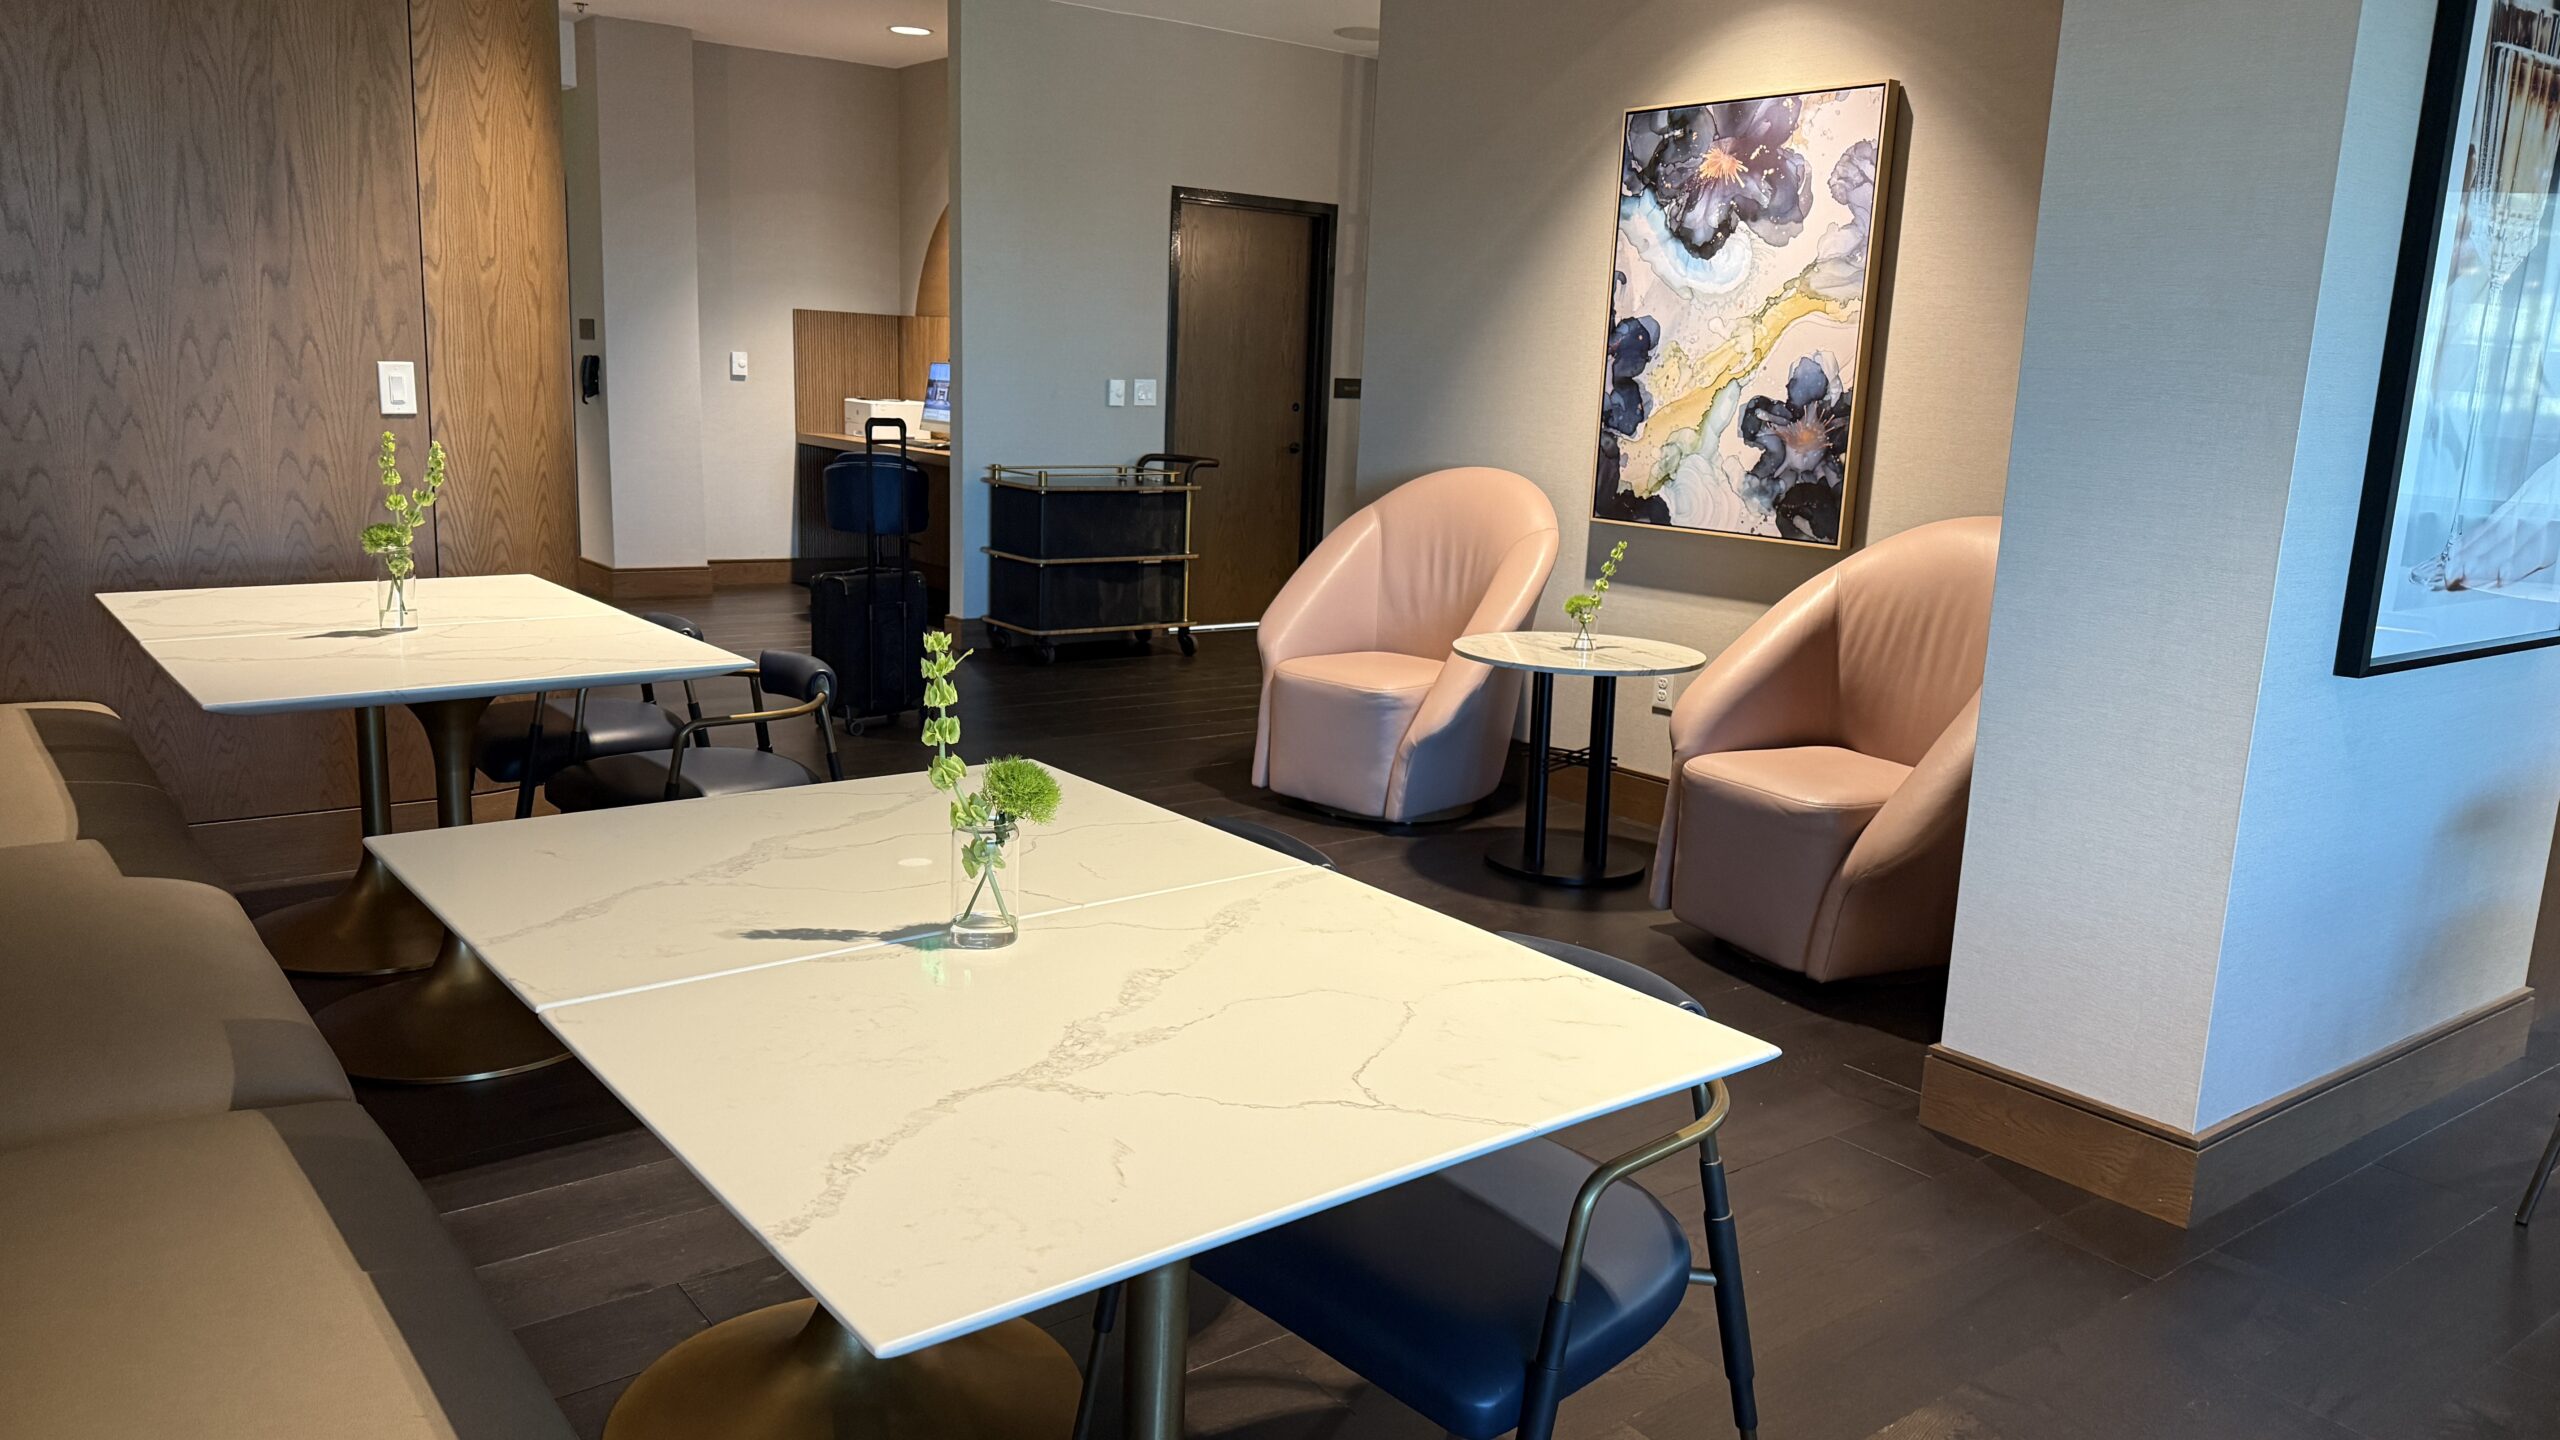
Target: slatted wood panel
<point x="922" y="340"/>
<point x="836" y="354"/>
<point x="208" y="234"/>
<point x="494" y="246"/>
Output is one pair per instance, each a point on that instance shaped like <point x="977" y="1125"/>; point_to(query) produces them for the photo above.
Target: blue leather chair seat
<point x="640" y="778"/>
<point x="1435" y="1290"/>
<point x="614" y="727"/>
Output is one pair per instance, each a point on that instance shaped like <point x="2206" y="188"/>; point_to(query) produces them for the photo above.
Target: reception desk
<point x="815" y="548"/>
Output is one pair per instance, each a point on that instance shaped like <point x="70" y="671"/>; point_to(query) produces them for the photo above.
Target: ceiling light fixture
<point x="908" y="30"/>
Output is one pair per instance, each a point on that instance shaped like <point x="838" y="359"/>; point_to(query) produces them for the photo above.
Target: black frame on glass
<point x="2439" y="150"/>
<point x="1311" y="468"/>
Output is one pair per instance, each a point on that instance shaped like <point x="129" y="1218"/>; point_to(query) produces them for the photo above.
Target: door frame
<point x="1312" y="464"/>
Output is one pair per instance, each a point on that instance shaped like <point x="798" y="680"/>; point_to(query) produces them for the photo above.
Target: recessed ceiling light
<point x="1367" y="34"/>
<point x="908" y="30"/>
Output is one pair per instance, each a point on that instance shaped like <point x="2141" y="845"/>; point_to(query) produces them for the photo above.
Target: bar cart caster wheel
<point x="1142" y="639"/>
<point x="999" y="638"/>
<point x="1190" y="646"/>
<point x="1048" y="652"/>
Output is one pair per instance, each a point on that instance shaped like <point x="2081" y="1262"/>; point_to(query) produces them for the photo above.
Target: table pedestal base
<point x="372" y="927"/>
<point x="790" y="1372"/>
<point x="1624" y="863"/>
<point x="456" y="1022"/>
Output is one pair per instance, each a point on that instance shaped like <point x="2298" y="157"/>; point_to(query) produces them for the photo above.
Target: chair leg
<point x="2541" y="1178"/>
<point x="1733" y="1322"/>
<point x="1106" y="1313"/>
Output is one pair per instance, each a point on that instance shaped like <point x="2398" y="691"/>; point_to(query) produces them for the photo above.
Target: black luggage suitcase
<point x="866" y="624"/>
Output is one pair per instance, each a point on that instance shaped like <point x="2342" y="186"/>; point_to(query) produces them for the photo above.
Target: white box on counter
<point x="858" y="411"/>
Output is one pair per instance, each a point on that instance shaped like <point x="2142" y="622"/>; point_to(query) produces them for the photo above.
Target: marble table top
<point x="1552" y="651"/>
<point x="573" y="907"/>
<point x="263" y="649"/>
<point x="1195" y="1040"/>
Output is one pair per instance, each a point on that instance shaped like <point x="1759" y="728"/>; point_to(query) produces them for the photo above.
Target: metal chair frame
<point x="1544" y="1394"/>
<point x="696" y="730"/>
<point x="527" y="783"/>
<point x="2541" y="1178"/>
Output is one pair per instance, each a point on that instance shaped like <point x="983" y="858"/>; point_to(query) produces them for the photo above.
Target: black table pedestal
<point x="1603" y="860"/>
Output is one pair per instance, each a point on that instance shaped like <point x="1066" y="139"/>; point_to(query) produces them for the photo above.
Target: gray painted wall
<point x="798" y="168"/>
<point x="2201" y="870"/>
<point x="1498" y="128"/>
<point x="1072" y="129"/>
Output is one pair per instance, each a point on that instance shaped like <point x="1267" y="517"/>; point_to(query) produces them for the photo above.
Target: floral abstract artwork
<point x="2459" y="550"/>
<point x="1738" y="314"/>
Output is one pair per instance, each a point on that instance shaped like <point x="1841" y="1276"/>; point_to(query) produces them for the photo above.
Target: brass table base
<point x="456" y="1022"/>
<point x="372" y="927"/>
<point x="790" y="1372"/>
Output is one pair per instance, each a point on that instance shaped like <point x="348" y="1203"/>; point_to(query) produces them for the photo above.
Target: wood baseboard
<point x="269" y="852"/>
<point x="672" y="582"/>
<point x="728" y="574"/>
<point x="2184" y="1177"/>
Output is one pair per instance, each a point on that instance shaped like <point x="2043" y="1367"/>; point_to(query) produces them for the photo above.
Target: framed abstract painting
<point x="1738" y="334"/>
<point x="2457" y="550"/>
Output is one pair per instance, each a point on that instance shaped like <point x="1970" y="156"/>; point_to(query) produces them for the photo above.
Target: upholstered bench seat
<point x="70" y="770"/>
<point x="125" y="1001"/>
<point x="256" y="1275"/>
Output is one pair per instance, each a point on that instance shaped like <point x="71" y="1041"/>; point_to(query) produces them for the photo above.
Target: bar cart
<point x="1085" y="550"/>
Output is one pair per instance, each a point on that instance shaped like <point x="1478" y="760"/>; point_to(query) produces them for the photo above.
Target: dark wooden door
<point x="1246" y="309"/>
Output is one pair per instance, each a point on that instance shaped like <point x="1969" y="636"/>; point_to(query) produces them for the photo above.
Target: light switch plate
<point x="1116" y="392"/>
<point x="1146" y="391"/>
<point x="398" y="380"/>
<point x="737" y="364"/>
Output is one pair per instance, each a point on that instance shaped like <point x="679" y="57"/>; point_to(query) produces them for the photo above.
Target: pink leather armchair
<point x="1820" y="765"/>
<point x="1364" y="709"/>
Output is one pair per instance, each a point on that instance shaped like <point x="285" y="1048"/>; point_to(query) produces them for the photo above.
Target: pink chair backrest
<point x="1913" y="618"/>
<point x="1443" y="539"/>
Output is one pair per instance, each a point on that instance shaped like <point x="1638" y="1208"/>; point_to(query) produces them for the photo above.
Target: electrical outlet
<point x="1115" y="392"/>
<point x="1662" y="695"/>
<point x="1146" y="391"/>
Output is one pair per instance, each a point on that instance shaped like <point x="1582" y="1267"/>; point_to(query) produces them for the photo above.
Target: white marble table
<point x="270" y="649"/>
<point x="936" y="1141"/>
<point x="1545" y="654"/>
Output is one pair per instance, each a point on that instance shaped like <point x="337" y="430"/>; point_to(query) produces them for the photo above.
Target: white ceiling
<point x="858" y="30"/>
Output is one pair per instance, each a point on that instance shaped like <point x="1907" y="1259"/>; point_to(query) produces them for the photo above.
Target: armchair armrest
<point x="1471" y="695"/>
<point x="1777" y="685"/>
<point x="1896" y="893"/>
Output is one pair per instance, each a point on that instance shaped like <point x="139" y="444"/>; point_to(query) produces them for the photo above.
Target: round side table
<point x="1546" y="654"/>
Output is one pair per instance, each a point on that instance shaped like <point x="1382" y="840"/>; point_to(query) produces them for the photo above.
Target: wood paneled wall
<point x="211" y="222"/>
<point x="494" y="241"/>
<point x="839" y="354"/>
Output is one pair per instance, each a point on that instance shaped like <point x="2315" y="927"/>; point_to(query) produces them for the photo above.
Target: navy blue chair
<point x="688" y="768"/>
<point x="1270" y="839"/>
<point x="1483" y="1295"/>
<point x="525" y="742"/>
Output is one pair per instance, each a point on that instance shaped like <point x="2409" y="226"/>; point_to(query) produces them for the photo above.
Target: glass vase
<point x="986" y="876"/>
<point x="1582" y="634"/>
<point x="395" y="602"/>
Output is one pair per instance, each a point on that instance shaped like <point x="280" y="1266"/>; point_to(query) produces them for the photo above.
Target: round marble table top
<point x="1552" y="651"/>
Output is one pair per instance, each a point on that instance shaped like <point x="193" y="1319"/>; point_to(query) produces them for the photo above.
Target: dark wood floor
<point x="1901" y="1285"/>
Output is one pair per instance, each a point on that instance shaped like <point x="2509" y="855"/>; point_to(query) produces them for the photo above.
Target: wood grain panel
<point x="933" y="279"/>
<point x="208" y="234"/>
<point x="1240" y="378"/>
<point x="836" y="355"/>
<point x="922" y="340"/>
<point x="494" y="244"/>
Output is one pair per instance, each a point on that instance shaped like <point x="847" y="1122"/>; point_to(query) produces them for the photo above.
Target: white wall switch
<point x="737" y="364"/>
<point x="1662" y="695"/>
<point x="398" y="380"/>
<point x="1116" y="392"/>
<point x="1146" y="391"/>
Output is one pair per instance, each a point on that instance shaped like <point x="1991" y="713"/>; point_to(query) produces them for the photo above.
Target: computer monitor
<point x="937" y="394"/>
